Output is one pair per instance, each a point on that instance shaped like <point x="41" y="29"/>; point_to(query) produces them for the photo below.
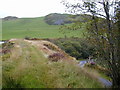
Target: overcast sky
<point x="30" y="8"/>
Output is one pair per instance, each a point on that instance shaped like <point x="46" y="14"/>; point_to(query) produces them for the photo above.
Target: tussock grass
<point x="30" y="69"/>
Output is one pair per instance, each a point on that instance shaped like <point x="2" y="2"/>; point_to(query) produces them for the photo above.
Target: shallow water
<point x="82" y="63"/>
<point x="105" y="82"/>
<point x="1" y="42"/>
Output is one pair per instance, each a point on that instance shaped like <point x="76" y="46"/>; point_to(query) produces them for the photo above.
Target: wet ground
<point x="105" y="82"/>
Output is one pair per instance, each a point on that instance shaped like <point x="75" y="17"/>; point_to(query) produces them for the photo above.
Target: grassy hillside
<point x="34" y="27"/>
<point x="60" y="19"/>
<point x="26" y="66"/>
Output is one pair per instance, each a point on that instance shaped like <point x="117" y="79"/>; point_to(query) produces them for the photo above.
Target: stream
<point x="1" y="42"/>
<point x="105" y="82"/>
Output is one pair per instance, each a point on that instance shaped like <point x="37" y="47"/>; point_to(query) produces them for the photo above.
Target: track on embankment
<point x="41" y="64"/>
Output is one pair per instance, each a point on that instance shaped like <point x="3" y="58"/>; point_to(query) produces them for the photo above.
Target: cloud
<point x="30" y="8"/>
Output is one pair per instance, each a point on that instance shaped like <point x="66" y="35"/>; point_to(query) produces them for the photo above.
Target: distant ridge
<point x="41" y="27"/>
<point x="10" y="18"/>
<point x="60" y="19"/>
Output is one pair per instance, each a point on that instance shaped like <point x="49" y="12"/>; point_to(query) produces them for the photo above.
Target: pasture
<point x="35" y="27"/>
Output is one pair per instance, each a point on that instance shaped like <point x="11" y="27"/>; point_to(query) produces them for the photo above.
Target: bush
<point x="99" y="68"/>
<point x="51" y="47"/>
<point x="56" y="56"/>
<point x="27" y="38"/>
<point x="75" y="47"/>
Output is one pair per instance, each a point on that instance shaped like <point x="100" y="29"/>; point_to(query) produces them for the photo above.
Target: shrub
<point x="51" y="47"/>
<point x="27" y="38"/>
<point x="98" y="68"/>
<point x="6" y="47"/>
<point x="56" y="56"/>
<point x="76" y="47"/>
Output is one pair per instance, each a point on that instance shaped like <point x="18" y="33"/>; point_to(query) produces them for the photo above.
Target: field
<point x="35" y="27"/>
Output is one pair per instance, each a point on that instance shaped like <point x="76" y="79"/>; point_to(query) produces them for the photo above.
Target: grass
<point x="97" y="68"/>
<point x="0" y="72"/>
<point x="34" y="27"/>
<point x="28" y="68"/>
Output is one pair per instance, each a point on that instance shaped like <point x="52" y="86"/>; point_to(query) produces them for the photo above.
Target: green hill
<point x="41" y="64"/>
<point x="61" y="19"/>
<point x="34" y="27"/>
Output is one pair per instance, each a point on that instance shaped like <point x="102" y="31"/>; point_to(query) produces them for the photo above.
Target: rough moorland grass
<point x="0" y="72"/>
<point x="34" y="27"/>
<point x="30" y="69"/>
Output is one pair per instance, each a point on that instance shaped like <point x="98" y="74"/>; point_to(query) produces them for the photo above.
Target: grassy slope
<point x="33" y="27"/>
<point x="27" y="67"/>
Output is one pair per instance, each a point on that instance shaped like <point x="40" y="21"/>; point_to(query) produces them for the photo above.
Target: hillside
<point x="9" y="18"/>
<point x="41" y="64"/>
<point x="61" y="19"/>
<point x="35" y="27"/>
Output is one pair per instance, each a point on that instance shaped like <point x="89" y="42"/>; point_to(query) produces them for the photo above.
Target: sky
<point x="30" y="8"/>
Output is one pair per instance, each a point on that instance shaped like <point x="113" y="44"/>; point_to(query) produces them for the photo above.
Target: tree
<point x="104" y="31"/>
